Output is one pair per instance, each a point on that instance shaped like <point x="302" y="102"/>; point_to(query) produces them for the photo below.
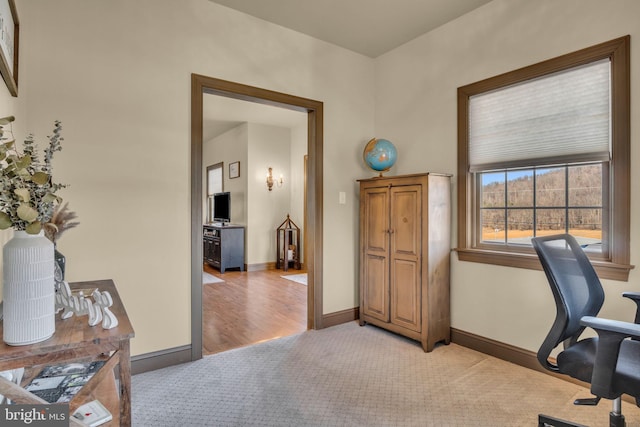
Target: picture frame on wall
<point x="234" y="170"/>
<point x="9" y="36"/>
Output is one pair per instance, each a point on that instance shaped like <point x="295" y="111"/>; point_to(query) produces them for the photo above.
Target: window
<point x="545" y="150"/>
<point x="215" y="184"/>
<point x="516" y="205"/>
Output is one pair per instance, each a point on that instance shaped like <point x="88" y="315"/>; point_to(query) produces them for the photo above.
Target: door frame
<point x="201" y="85"/>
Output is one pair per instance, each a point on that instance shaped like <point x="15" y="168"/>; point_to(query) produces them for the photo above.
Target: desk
<point x="73" y="340"/>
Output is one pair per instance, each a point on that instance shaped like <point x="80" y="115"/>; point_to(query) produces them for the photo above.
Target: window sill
<point x="605" y="270"/>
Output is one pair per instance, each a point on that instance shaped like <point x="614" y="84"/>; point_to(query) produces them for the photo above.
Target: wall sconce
<point x="271" y="181"/>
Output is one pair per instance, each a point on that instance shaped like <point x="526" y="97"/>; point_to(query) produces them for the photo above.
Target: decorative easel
<point x="286" y="250"/>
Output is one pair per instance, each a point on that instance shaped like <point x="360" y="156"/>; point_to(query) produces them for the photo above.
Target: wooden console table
<point x="75" y="340"/>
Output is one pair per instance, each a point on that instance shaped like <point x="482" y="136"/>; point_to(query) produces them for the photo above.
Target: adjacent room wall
<point x="117" y="73"/>
<point x="416" y="109"/>
<point x="231" y="146"/>
<point x="269" y="146"/>
<point x="259" y="147"/>
<point x="298" y="152"/>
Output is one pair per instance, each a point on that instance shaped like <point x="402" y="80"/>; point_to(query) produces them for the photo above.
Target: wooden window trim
<point x="617" y="267"/>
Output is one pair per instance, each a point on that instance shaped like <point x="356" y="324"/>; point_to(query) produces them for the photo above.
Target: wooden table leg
<point x="125" y="384"/>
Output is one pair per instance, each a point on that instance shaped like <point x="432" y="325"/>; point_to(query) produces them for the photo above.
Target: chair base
<point x="615" y="420"/>
<point x="547" y="421"/>
<point x="587" y="401"/>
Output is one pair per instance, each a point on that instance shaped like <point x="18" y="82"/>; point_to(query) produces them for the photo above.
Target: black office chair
<point x="610" y="362"/>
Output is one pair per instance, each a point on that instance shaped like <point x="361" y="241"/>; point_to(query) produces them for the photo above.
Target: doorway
<point x="201" y="85"/>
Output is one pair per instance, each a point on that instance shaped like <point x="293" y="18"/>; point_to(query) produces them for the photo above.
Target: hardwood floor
<point x="251" y="307"/>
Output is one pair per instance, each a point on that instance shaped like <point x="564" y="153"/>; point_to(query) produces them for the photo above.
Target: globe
<point x="380" y="155"/>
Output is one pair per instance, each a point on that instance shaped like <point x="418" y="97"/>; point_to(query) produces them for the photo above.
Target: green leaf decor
<point x="27" y="191"/>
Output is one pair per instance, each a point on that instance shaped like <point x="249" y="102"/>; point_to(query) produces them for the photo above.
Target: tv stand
<point x="223" y="246"/>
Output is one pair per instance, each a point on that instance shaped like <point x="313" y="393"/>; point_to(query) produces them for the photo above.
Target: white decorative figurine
<point x="64" y="300"/>
<point x="80" y="305"/>
<point x="93" y="309"/>
<point x="104" y="300"/>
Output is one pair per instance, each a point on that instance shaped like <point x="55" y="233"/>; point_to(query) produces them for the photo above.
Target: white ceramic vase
<point x="28" y="289"/>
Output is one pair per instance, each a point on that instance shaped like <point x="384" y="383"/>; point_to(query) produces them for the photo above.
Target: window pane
<point x="520" y="226"/>
<point x="550" y="187"/>
<point x="492" y="189"/>
<point x="586" y="225"/>
<point x="550" y="211"/>
<point x="520" y="188"/>
<point x="550" y="221"/>
<point x="585" y="185"/>
<point x="493" y="225"/>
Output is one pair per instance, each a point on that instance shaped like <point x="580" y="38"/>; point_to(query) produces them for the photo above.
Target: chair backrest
<point x="575" y="286"/>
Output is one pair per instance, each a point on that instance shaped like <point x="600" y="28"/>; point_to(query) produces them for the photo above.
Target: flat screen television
<point x="222" y="207"/>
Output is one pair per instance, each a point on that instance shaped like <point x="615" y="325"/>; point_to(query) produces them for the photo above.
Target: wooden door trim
<point x="201" y="85"/>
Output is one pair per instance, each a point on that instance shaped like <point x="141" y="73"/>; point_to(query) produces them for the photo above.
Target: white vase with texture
<point x="28" y="289"/>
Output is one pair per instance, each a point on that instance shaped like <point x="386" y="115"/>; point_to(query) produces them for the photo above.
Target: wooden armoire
<point x="405" y="240"/>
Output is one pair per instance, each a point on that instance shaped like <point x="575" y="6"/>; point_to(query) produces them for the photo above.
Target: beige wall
<point x="117" y="73"/>
<point x="258" y="147"/>
<point x="9" y="106"/>
<point x="227" y="148"/>
<point x="269" y="146"/>
<point x="416" y="109"/>
<point x="298" y="151"/>
<point x="231" y="146"/>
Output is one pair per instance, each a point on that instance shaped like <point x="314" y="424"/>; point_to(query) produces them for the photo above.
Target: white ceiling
<point x="370" y="27"/>
<point x="221" y="114"/>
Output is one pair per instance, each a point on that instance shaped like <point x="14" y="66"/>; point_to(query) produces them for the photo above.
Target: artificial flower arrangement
<point x="27" y="192"/>
<point x="61" y="220"/>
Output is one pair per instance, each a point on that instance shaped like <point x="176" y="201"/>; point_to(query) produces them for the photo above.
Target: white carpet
<point x="298" y="278"/>
<point x="208" y="279"/>
<point x="348" y="375"/>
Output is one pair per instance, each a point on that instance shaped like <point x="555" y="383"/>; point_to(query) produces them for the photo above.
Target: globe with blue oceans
<point x="380" y="155"/>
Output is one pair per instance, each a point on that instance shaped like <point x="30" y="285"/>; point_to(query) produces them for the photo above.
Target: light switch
<point x="342" y="196"/>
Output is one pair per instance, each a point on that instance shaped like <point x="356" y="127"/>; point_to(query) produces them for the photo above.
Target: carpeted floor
<point x="349" y="375"/>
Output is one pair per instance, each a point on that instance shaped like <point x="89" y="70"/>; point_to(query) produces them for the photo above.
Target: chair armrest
<point x="623" y="329"/>
<point x="635" y="296"/>
<point x="611" y="333"/>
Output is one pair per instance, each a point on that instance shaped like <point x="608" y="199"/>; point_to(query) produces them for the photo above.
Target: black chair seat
<point x="577" y="361"/>
<point x="579" y="296"/>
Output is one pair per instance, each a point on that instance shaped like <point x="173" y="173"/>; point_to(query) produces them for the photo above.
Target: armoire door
<point x="405" y="256"/>
<point x="375" y="244"/>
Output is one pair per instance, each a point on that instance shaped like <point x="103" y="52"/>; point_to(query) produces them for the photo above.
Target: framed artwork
<point x="9" y="34"/>
<point x="234" y="170"/>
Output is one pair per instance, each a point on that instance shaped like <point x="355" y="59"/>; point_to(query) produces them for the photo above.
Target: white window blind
<point x="557" y="118"/>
